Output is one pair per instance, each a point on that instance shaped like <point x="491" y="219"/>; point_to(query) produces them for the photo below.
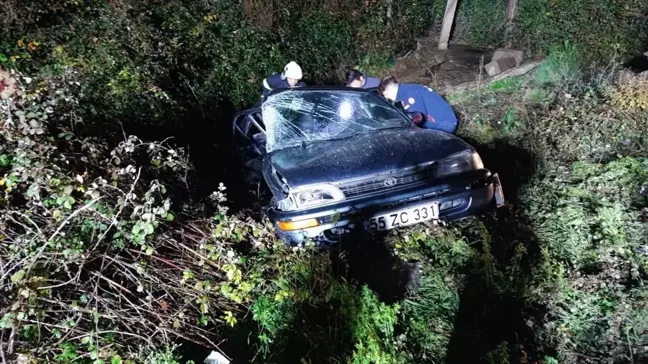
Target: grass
<point x="556" y="276"/>
<point x="507" y="84"/>
<point x="584" y="205"/>
<point x="561" y="66"/>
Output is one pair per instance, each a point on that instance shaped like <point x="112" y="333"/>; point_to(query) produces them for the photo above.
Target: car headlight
<point x="460" y="162"/>
<point x="317" y="195"/>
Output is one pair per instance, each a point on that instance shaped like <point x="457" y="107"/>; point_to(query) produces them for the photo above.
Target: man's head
<point x="389" y="88"/>
<point x="355" y="78"/>
<point x="292" y="73"/>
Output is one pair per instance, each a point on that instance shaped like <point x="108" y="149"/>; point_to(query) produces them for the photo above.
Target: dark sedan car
<point x="336" y="159"/>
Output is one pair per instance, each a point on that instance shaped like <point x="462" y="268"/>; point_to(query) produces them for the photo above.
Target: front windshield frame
<point x="301" y="117"/>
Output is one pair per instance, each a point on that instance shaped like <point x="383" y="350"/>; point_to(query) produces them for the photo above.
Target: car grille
<point x="390" y="182"/>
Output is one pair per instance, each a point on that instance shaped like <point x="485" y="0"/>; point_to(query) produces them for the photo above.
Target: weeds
<point x="589" y="222"/>
<point x="374" y="63"/>
<point x="560" y="279"/>
<point x="585" y="205"/>
<point x="631" y="92"/>
<point x="101" y="260"/>
<point x="507" y="84"/>
<point x="561" y="68"/>
<point x="90" y="264"/>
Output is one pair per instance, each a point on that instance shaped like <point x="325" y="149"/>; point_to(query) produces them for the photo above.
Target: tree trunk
<point x="512" y="10"/>
<point x="446" y="27"/>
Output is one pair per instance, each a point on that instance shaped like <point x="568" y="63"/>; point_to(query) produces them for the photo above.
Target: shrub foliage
<point x="604" y="30"/>
<point x="103" y="258"/>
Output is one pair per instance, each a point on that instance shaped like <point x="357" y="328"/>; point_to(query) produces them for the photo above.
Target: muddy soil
<point x="439" y="69"/>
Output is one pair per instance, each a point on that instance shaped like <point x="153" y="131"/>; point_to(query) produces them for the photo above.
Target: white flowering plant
<point x="93" y="261"/>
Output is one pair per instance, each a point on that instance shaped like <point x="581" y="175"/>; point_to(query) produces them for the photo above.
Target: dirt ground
<point x="440" y="69"/>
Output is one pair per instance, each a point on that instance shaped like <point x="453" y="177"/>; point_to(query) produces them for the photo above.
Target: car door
<point x="249" y="131"/>
<point x="250" y="137"/>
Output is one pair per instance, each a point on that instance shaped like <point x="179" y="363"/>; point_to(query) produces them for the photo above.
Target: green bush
<point x="589" y="220"/>
<point x="562" y="67"/>
<point x="584" y="205"/>
<point x="591" y="207"/>
<point x="431" y="314"/>
<point x="333" y="44"/>
<point x="95" y="261"/>
<point x="104" y="261"/>
<point x="603" y="30"/>
<point x="481" y="22"/>
<point x="301" y="300"/>
<point x="157" y="64"/>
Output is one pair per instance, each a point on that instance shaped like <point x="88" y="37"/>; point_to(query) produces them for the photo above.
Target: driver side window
<point x="256" y="132"/>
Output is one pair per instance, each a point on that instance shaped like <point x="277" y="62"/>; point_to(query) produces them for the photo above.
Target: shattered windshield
<point x="294" y="118"/>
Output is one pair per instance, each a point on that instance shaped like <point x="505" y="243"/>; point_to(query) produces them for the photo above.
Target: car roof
<point x="320" y="88"/>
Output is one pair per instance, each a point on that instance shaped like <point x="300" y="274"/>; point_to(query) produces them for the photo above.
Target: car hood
<point x="366" y="154"/>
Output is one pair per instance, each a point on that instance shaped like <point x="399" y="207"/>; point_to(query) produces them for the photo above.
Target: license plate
<point x="405" y="217"/>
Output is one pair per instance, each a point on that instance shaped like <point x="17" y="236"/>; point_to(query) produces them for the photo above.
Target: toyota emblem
<point x="390" y="181"/>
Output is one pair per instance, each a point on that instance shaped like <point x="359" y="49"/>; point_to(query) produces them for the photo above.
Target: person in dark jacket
<point x="357" y="79"/>
<point x="437" y="113"/>
<point x="290" y="77"/>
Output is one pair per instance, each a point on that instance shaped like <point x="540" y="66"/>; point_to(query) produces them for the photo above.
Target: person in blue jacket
<point x="357" y="79"/>
<point x="290" y="77"/>
<point x="437" y="113"/>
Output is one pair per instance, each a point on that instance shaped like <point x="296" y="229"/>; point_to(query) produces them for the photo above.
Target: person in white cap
<point x="290" y="77"/>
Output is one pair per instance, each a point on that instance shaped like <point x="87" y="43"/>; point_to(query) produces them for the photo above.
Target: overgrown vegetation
<point x="604" y="30"/>
<point x="158" y="64"/>
<point x="120" y="249"/>
<point x="585" y="204"/>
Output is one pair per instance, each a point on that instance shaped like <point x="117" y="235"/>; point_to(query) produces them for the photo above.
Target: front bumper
<point x="458" y="196"/>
